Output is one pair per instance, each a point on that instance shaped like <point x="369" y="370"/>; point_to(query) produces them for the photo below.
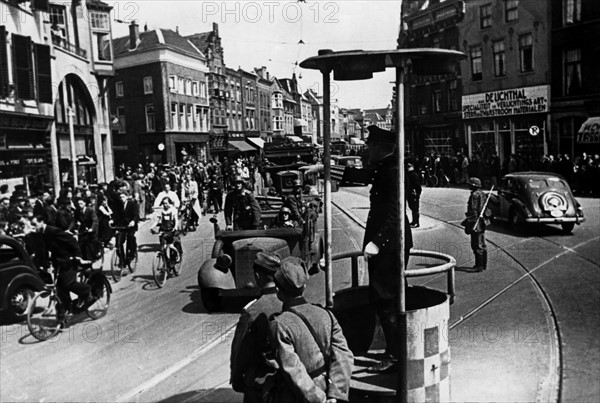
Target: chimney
<point x="134" y="34"/>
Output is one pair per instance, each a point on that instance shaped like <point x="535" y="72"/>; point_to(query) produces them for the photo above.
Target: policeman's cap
<point x="292" y="276"/>
<point x="269" y="262"/>
<point x="377" y="135"/>
<point x="475" y="182"/>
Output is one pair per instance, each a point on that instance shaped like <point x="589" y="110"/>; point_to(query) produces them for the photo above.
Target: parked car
<point x="229" y="272"/>
<point x="347" y="161"/>
<point x="535" y="197"/>
<point x="19" y="278"/>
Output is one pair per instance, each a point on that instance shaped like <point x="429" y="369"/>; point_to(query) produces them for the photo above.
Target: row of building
<point x="530" y="84"/>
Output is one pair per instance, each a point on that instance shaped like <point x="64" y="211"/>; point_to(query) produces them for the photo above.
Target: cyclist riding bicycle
<point x="127" y="215"/>
<point x="66" y="254"/>
<point x="168" y="222"/>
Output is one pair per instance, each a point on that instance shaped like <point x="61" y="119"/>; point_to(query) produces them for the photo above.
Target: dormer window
<point x="100" y="25"/>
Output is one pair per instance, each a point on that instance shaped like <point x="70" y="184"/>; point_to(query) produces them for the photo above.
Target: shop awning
<point x="295" y="139"/>
<point x="242" y="146"/>
<point x="589" y="131"/>
<point x="260" y="143"/>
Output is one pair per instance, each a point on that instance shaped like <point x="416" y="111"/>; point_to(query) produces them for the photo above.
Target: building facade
<point x="264" y="114"/>
<point x="575" y="85"/>
<point x="160" y="97"/>
<point x="55" y="62"/>
<point x="506" y="78"/>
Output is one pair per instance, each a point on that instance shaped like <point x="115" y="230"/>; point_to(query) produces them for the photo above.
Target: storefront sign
<point x="589" y="131"/>
<point x="517" y="101"/>
<point x="13" y="162"/>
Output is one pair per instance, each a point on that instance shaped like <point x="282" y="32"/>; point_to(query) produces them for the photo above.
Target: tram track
<point x="556" y="375"/>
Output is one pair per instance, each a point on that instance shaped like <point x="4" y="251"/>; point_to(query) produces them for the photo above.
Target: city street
<point x="529" y="321"/>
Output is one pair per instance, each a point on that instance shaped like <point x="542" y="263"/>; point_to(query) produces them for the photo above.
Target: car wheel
<point x="568" y="227"/>
<point x="19" y="301"/>
<point x="513" y="221"/>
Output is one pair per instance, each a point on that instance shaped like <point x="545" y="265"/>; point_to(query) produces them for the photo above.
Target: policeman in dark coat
<point x="381" y="243"/>
<point x="478" y="222"/>
<point x="250" y="347"/>
<point x="241" y="208"/>
<point x="311" y="349"/>
<point x="413" y="193"/>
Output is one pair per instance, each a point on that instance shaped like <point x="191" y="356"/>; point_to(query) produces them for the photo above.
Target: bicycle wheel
<point x="133" y="263"/>
<point x="42" y="319"/>
<point x="159" y="269"/>
<point x="116" y="267"/>
<point x="433" y="181"/>
<point x="177" y="264"/>
<point x="101" y="291"/>
<point x="98" y="262"/>
<point x="185" y="222"/>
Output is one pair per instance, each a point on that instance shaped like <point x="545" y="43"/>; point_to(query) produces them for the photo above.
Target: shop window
<point x="499" y="59"/>
<point x="476" y="64"/>
<point x="526" y="52"/>
<point x="571" y="11"/>
<point x="485" y="16"/>
<point x="148" y="88"/>
<point x="150" y="122"/>
<point x="511" y="8"/>
<point x="572" y="71"/>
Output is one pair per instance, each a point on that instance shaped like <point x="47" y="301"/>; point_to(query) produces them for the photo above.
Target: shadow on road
<point x="528" y="230"/>
<point x="205" y="395"/>
<point x="227" y="305"/>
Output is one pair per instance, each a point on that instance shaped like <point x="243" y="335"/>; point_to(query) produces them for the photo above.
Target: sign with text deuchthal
<point x="516" y="101"/>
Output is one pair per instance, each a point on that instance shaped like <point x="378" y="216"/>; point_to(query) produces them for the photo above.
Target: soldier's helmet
<point x="297" y="183"/>
<point x="285" y="210"/>
<point x="238" y="179"/>
<point x="475" y="182"/>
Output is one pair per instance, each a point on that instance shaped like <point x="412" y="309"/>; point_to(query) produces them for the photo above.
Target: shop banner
<point x="517" y="101"/>
<point x="590" y="131"/>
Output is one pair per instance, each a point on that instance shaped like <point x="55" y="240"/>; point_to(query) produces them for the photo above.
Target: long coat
<point x="242" y="210"/>
<point x="299" y="355"/>
<point x="381" y="230"/>
<point x="474" y="206"/>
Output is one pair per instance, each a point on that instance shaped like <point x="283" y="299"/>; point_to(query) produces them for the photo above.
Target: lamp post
<point x="71" y="114"/>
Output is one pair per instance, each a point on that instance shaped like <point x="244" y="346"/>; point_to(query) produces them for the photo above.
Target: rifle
<point x="484" y="207"/>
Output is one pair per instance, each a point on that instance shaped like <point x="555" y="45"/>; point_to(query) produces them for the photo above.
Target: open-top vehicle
<point x="229" y="271"/>
<point x="535" y="197"/>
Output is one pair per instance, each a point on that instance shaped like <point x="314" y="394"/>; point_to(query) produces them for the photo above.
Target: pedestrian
<point x="310" y="348"/>
<point x="476" y="223"/>
<point x="380" y="243"/>
<point x="250" y="348"/>
<point x="413" y="193"/>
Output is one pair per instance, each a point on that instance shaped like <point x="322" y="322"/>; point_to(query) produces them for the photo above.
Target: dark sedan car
<point x="536" y="197"/>
<point x="19" y="278"/>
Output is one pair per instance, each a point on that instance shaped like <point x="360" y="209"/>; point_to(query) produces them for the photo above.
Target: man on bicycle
<point x="189" y="193"/>
<point x="168" y="222"/>
<point x="87" y="228"/>
<point x="127" y="215"/>
<point x="64" y="248"/>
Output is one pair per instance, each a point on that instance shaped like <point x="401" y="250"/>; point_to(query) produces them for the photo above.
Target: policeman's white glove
<point x="229" y="228"/>
<point x="371" y="250"/>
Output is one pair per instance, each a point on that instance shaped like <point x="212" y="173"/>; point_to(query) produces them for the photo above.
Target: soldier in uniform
<point x="241" y="208"/>
<point x="413" y="193"/>
<point x="310" y="348"/>
<point x="475" y="206"/>
<point x="381" y="242"/>
<point x="295" y="201"/>
<point x="250" y="348"/>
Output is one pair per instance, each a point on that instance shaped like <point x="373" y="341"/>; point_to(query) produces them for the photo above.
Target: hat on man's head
<point x="377" y="135"/>
<point x="269" y="262"/>
<point x="475" y="182"/>
<point x="292" y="276"/>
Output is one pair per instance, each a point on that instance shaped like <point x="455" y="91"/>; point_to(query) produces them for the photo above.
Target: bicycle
<point x="167" y="260"/>
<point x="186" y="217"/>
<point x="98" y="258"/>
<point x="118" y="261"/>
<point x="428" y="178"/>
<point x="42" y="317"/>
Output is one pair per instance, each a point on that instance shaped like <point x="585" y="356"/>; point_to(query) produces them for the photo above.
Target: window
<point x="181" y="117"/>
<point x="572" y="71"/>
<point x="499" y="59"/>
<point x="174" y="122"/>
<point x="181" y="85"/>
<point x="437" y="101"/>
<point x="58" y="20"/>
<point x="190" y="118"/>
<point x="452" y="95"/>
<point x="148" y="85"/>
<point x="511" y="8"/>
<point x="150" y="124"/>
<point x="435" y="40"/>
<point x="485" y="16"/>
<point x="188" y="87"/>
<point x="173" y="83"/>
<point x="195" y="90"/>
<point x="203" y="89"/>
<point x="119" y="89"/>
<point x="121" y="117"/>
<point x="277" y="123"/>
<point x="99" y="20"/>
<point x="101" y="36"/>
<point x="526" y="52"/>
<point x="476" y="64"/>
<point x="571" y="11"/>
<point x="278" y="101"/>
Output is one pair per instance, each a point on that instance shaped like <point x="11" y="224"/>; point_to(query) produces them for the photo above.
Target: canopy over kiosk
<point x="360" y="65"/>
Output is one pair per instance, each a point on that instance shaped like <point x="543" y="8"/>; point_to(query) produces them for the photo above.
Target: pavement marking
<point x="158" y="378"/>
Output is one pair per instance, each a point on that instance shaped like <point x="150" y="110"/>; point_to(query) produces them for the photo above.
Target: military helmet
<point x="238" y="179"/>
<point x="297" y="183"/>
<point x="475" y="182"/>
<point x="285" y="210"/>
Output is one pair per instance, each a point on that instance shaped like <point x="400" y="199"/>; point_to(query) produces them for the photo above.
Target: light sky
<point x="266" y="33"/>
